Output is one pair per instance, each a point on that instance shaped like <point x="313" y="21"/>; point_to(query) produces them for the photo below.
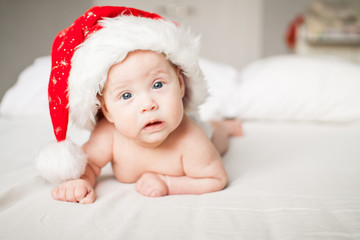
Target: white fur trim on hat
<point x="111" y="44"/>
<point x="61" y="161"/>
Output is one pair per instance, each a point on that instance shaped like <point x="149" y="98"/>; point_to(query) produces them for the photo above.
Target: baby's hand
<point x="77" y="190"/>
<point x="151" y="185"/>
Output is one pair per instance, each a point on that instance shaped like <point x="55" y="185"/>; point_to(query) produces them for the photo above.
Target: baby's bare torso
<point x="131" y="161"/>
<point x="130" y="165"/>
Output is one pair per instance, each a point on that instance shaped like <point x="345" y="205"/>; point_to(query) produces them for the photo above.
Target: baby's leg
<point x="223" y="130"/>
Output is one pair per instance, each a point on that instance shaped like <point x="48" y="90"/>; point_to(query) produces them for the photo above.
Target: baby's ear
<point x="104" y="109"/>
<point x="181" y="80"/>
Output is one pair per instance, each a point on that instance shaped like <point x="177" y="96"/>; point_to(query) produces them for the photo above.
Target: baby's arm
<point x="203" y="169"/>
<point x="99" y="152"/>
<point x="204" y="172"/>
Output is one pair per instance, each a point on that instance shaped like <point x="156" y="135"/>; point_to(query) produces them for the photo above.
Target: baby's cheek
<point x="125" y="130"/>
<point x="126" y="126"/>
<point x="179" y="112"/>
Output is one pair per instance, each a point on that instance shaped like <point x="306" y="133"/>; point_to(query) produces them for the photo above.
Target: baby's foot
<point x="233" y="127"/>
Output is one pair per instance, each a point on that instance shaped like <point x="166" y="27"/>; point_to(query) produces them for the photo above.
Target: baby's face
<point x="143" y="97"/>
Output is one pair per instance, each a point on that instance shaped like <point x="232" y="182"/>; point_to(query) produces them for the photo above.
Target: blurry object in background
<point x="329" y="27"/>
<point x="292" y="31"/>
<point x="175" y="11"/>
<point x="333" y="22"/>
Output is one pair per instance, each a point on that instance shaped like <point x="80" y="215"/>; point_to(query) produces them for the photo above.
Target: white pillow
<point x="29" y="95"/>
<point x="293" y="87"/>
<point x="222" y="82"/>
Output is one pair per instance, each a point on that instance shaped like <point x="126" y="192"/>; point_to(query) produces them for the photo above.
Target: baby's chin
<point x="153" y="140"/>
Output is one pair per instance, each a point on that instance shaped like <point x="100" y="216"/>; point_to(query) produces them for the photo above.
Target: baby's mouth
<point x="154" y="125"/>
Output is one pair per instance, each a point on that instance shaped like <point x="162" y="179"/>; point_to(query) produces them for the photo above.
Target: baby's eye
<point x="126" y="96"/>
<point x="158" y="85"/>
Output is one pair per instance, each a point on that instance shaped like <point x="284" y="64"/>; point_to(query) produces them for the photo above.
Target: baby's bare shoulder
<point x="100" y="143"/>
<point x="195" y="140"/>
<point x="200" y="158"/>
<point x="104" y="126"/>
<point x="103" y="131"/>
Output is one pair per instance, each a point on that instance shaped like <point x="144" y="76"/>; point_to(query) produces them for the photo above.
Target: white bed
<point x="295" y="174"/>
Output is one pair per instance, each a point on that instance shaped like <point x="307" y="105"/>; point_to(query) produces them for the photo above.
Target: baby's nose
<point x="149" y="105"/>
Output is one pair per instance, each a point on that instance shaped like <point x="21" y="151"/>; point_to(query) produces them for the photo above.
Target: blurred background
<point x="234" y="32"/>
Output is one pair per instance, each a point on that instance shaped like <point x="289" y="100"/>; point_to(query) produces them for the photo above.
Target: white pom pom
<point x="61" y="161"/>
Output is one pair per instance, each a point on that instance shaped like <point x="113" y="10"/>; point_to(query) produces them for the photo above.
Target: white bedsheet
<point x="287" y="181"/>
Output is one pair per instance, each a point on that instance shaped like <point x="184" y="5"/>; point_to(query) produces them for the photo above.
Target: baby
<point x="145" y="132"/>
<point x="147" y="136"/>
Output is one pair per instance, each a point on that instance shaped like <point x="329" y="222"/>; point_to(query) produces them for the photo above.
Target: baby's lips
<point x="154" y="125"/>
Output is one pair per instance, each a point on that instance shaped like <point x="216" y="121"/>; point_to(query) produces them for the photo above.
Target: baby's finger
<point x="142" y="187"/>
<point x="80" y="193"/>
<point x="61" y="195"/>
<point x="70" y="194"/>
<point x="90" y="198"/>
<point x="139" y="185"/>
<point x="54" y="193"/>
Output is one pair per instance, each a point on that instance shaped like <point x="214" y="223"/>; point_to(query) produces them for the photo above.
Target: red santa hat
<point x="83" y="53"/>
